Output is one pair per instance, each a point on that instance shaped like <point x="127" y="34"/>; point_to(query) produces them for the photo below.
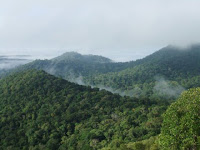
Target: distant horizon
<point x="118" y="56"/>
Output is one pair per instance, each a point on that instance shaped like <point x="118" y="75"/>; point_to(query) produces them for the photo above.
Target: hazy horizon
<point x="120" y="30"/>
<point x="46" y="54"/>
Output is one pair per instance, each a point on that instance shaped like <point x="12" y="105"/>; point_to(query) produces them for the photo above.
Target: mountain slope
<point x="40" y="111"/>
<point x="70" y="56"/>
<point x="73" y="66"/>
<point x="169" y="63"/>
<point x="164" y="74"/>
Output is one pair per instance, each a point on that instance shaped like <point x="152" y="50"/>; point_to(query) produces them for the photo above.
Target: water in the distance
<point x="11" y="61"/>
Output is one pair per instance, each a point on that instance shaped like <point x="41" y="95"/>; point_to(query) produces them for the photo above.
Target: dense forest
<point x="171" y="68"/>
<point x="145" y="110"/>
<point x="99" y="75"/>
<point x="177" y="66"/>
<point x="41" y="111"/>
<point x="73" y="66"/>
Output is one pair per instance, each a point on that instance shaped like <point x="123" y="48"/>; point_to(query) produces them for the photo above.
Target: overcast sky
<point x="119" y="29"/>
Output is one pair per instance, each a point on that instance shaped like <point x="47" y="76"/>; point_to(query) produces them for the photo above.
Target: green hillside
<point x="40" y="111"/>
<point x="74" y="66"/>
<point x="173" y="66"/>
<point x="181" y="125"/>
<point x="163" y="74"/>
<point x="71" y="56"/>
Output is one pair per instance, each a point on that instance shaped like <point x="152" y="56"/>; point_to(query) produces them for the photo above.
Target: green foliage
<point x="180" y="129"/>
<point x="176" y="66"/>
<point x="40" y="111"/>
<point x="148" y="144"/>
<point x="73" y="66"/>
<point x="141" y="78"/>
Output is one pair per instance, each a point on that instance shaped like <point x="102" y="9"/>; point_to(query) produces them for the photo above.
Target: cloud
<point x="166" y="88"/>
<point x="108" y="27"/>
<point x="9" y="62"/>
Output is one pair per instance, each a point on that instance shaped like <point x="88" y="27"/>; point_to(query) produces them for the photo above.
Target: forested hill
<point x="166" y="72"/>
<point x="170" y="63"/>
<point x="40" y="111"/>
<point x="183" y="60"/>
<point x="73" y="66"/>
<point x="74" y="56"/>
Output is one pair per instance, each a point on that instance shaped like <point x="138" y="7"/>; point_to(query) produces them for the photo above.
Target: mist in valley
<point x="12" y="61"/>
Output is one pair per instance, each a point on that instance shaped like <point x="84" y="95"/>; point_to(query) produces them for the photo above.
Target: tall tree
<point x="180" y="129"/>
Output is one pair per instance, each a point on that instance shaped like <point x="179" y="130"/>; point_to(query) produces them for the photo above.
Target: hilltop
<point x="170" y="65"/>
<point x="166" y="72"/>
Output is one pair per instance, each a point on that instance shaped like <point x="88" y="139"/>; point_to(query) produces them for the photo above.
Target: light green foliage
<point x="181" y="125"/>
<point x="149" y="144"/>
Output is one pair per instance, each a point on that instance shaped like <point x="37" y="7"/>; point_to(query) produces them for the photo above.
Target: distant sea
<point x="11" y="61"/>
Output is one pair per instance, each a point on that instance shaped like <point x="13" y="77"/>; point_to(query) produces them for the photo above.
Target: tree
<point x="181" y="124"/>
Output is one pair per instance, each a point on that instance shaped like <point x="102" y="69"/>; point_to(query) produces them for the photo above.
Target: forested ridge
<point x="40" y="111"/>
<point x="175" y="66"/>
<point x="72" y="65"/>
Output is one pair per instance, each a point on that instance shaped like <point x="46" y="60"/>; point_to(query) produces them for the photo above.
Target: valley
<point x="86" y="102"/>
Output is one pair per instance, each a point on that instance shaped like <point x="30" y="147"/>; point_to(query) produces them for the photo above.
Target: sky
<point x="122" y="30"/>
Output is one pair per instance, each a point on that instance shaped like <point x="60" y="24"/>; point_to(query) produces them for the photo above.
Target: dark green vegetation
<point x="179" y="67"/>
<point x="180" y="128"/>
<point x="164" y="74"/>
<point x="73" y="66"/>
<point x="40" y="111"/>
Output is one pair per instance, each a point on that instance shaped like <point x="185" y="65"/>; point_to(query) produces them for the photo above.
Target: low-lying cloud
<point x="9" y="62"/>
<point x="167" y="88"/>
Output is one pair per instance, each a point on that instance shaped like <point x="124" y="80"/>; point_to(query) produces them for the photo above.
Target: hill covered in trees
<point x="40" y="111"/>
<point x="74" y="66"/>
<point x="163" y="74"/>
<point x="74" y="56"/>
<point x="168" y="68"/>
<point x="181" y="125"/>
